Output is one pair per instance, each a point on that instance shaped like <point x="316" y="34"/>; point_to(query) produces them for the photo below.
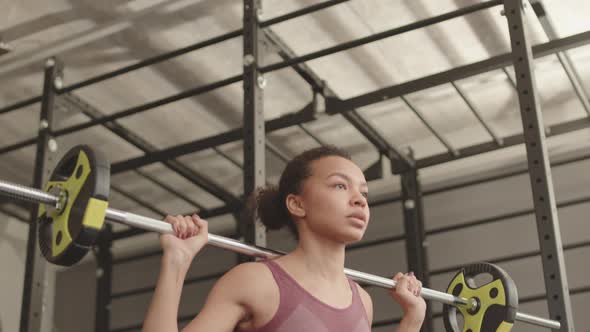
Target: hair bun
<point x="265" y="204"/>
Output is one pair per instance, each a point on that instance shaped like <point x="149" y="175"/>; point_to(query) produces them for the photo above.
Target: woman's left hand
<point x="407" y="294"/>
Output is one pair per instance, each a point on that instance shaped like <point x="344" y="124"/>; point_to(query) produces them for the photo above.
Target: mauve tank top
<point x="300" y="311"/>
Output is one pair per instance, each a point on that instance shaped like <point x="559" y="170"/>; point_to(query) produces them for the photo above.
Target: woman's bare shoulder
<point x="250" y="279"/>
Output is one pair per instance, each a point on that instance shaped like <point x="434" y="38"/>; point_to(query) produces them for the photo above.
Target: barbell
<point x="74" y="207"/>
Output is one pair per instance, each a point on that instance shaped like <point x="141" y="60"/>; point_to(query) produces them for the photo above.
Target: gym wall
<point x="13" y="234"/>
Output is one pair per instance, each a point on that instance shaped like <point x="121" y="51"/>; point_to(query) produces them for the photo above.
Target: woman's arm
<point x="411" y="322"/>
<point x="227" y="303"/>
<point x="163" y="310"/>
<point x="191" y="234"/>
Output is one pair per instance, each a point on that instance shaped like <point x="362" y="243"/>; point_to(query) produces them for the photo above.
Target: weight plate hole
<point x="79" y="171"/>
<point x="494" y="292"/>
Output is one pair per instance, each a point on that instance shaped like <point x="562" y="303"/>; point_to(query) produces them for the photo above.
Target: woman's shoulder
<point x="250" y="269"/>
<point x="249" y="278"/>
<point x="253" y="287"/>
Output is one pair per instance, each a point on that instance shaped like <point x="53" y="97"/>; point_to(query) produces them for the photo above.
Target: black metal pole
<point x="560" y="307"/>
<point x="34" y="281"/>
<point x="253" y="131"/>
<point x="104" y="276"/>
<point x="415" y="235"/>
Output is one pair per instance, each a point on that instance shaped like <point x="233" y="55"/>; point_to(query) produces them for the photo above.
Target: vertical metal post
<point x="539" y="169"/>
<point x="35" y="281"/>
<point x="254" y="131"/>
<point x="104" y="269"/>
<point x="415" y="233"/>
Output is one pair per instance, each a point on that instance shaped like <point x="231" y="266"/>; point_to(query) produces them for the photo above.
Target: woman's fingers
<point x="201" y="224"/>
<point x="192" y="228"/>
<point x="415" y="284"/>
<point x="187" y="226"/>
<point x="407" y="282"/>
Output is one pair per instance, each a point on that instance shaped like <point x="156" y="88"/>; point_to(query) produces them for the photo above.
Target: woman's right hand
<point x="190" y="236"/>
<point x="407" y="293"/>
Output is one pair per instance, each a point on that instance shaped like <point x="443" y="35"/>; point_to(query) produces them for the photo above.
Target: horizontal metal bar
<point x="18" y="145"/>
<point x="151" y="61"/>
<point x="513" y="140"/>
<point x="305" y="115"/>
<point x="495" y="177"/>
<point x="20" y="104"/>
<point x="502" y="217"/>
<point x="509" y="258"/>
<point x="498" y="218"/>
<point x="150" y="105"/>
<point x="334" y="106"/>
<point x="382" y="35"/>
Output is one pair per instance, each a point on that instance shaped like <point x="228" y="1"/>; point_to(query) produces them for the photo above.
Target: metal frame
<point x="254" y="131"/>
<point x="104" y="277"/>
<point x="564" y="59"/>
<point x="539" y="169"/>
<point x="33" y="307"/>
<point x="415" y="235"/>
<point x="398" y="158"/>
<point x="255" y="127"/>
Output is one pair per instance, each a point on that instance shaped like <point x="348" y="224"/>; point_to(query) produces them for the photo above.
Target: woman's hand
<point x="190" y="236"/>
<point x="407" y="293"/>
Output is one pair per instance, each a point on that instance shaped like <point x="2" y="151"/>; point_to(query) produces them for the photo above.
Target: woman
<point x="322" y="198"/>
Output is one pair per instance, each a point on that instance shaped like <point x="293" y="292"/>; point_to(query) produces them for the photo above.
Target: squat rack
<point x="255" y="127"/>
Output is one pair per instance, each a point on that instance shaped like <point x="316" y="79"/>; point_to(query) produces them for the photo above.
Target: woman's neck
<point x="321" y="259"/>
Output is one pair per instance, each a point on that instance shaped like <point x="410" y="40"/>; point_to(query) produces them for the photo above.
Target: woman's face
<point x="334" y="200"/>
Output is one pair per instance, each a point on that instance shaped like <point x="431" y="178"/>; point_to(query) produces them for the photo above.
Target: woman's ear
<point x="295" y="205"/>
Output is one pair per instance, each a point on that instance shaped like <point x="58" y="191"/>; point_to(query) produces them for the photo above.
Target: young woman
<point x="322" y="198"/>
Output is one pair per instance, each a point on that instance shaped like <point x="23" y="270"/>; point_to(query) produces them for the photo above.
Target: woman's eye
<point x="366" y="195"/>
<point x="340" y="186"/>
